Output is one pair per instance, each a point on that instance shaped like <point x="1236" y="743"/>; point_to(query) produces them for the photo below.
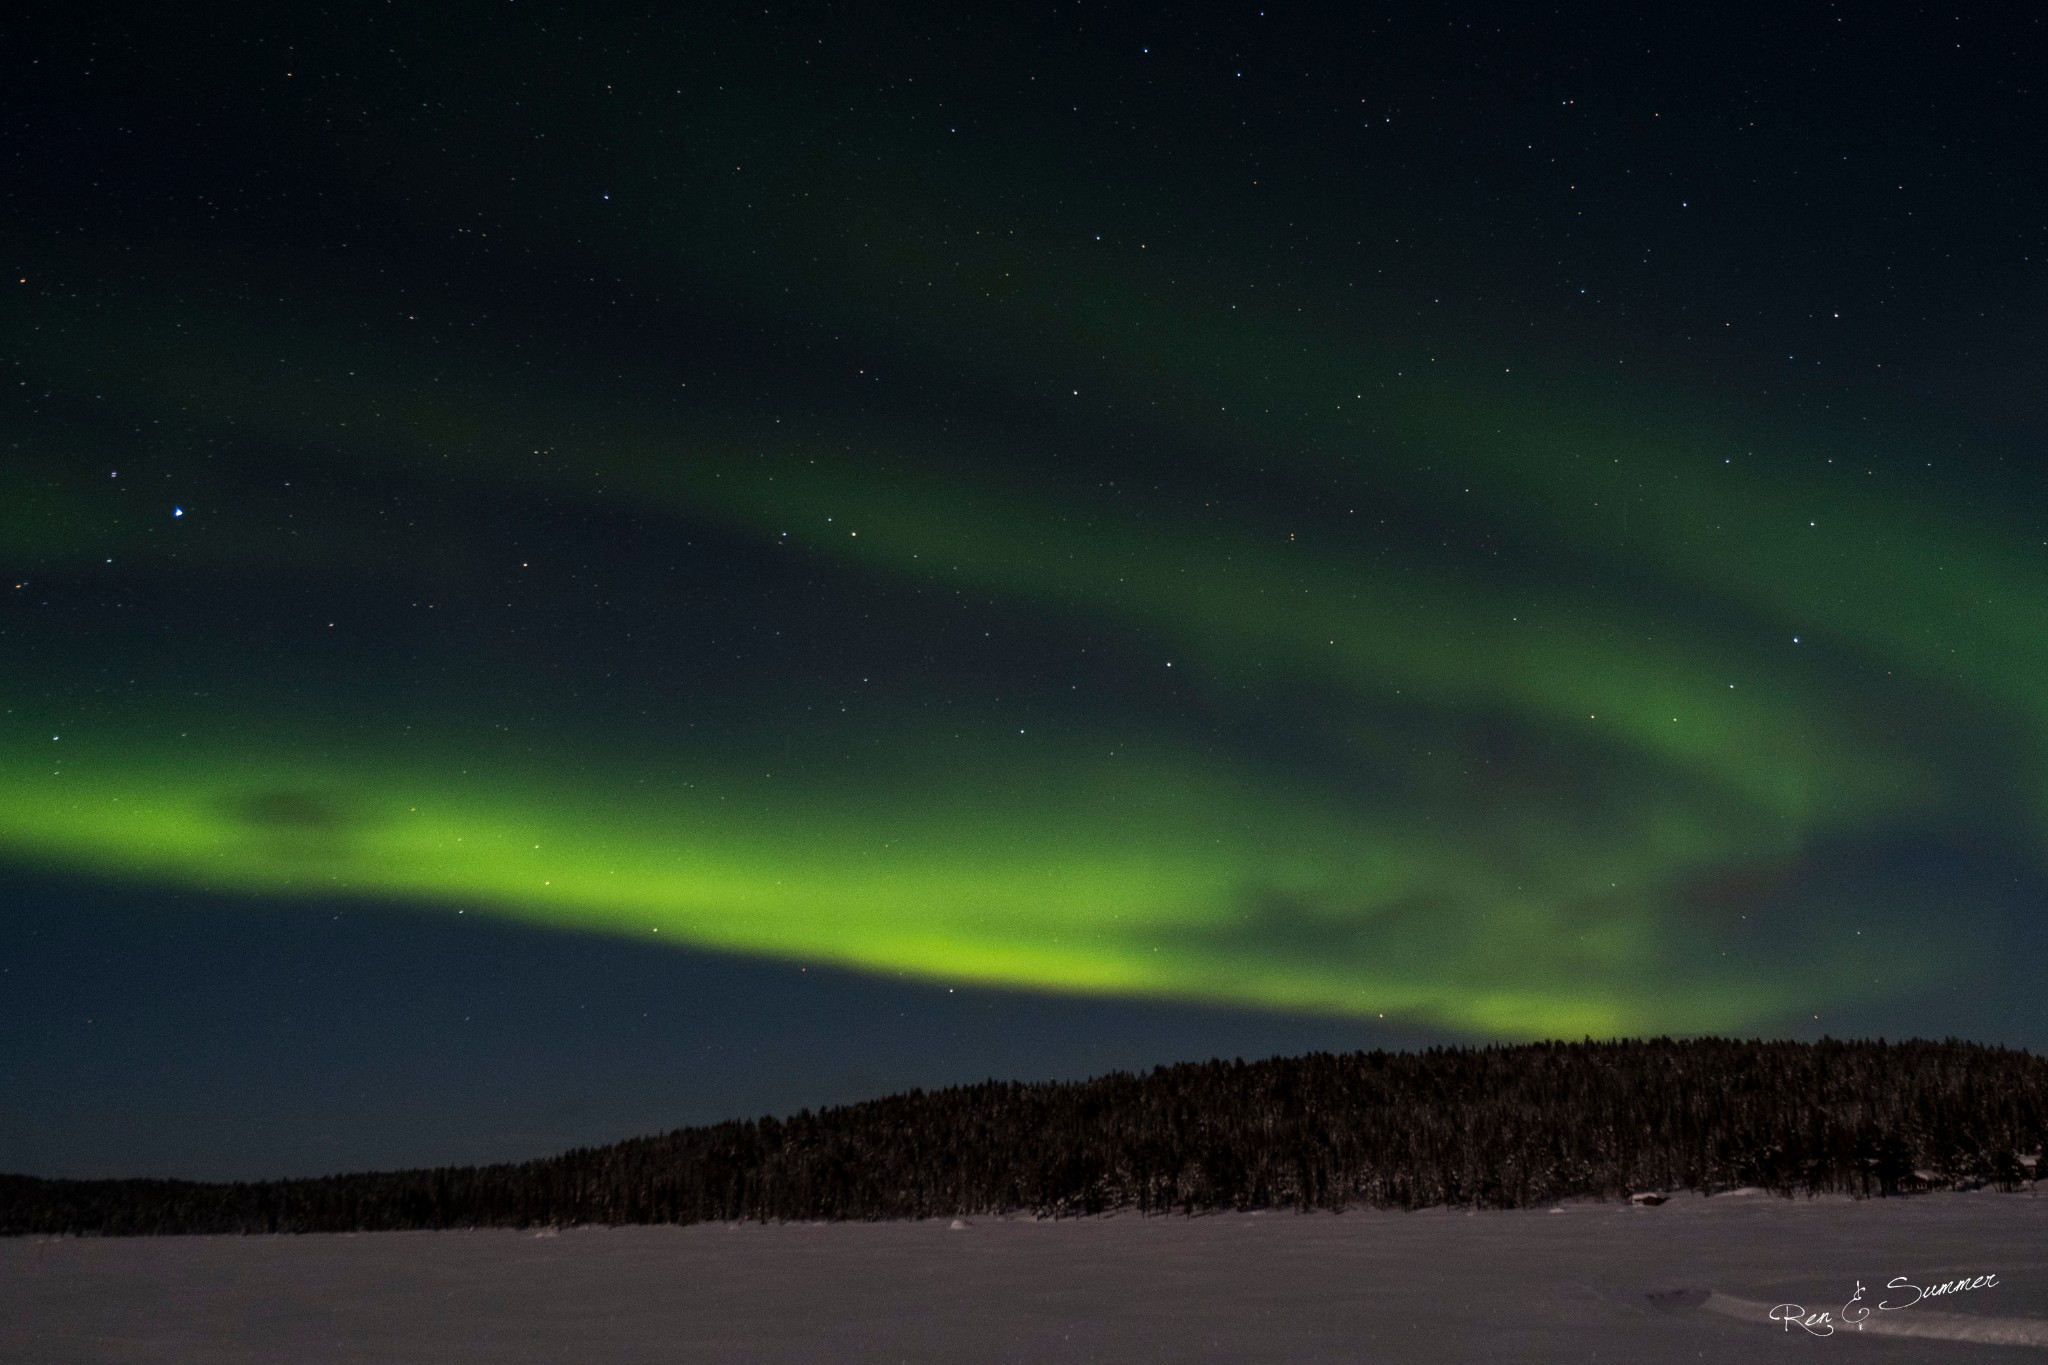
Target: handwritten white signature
<point x="1824" y="1324"/>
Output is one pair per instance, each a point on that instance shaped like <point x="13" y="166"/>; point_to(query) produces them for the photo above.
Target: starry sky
<point x="570" y="570"/>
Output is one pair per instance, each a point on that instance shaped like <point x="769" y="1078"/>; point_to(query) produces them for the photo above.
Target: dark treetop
<point x="1499" y="1127"/>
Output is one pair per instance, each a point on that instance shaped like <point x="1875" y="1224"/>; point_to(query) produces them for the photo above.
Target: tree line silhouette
<point x="1492" y="1127"/>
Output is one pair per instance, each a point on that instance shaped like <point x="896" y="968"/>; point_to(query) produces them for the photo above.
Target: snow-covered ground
<point x="1693" y="1280"/>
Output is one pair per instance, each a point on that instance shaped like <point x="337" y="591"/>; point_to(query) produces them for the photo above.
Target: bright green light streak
<point x="1145" y="873"/>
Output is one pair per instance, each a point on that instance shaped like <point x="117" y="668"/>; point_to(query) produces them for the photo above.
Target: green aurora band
<point x="1528" y="637"/>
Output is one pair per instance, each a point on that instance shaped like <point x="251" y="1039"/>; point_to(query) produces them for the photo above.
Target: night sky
<point x="576" y="569"/>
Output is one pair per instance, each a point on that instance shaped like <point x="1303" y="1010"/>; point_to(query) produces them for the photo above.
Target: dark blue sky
<point x="570" y="572"/>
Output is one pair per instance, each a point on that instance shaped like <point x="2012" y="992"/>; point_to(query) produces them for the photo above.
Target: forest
<point x="1489" y="1127"/>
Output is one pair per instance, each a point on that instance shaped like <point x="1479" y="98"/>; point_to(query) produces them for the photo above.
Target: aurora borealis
<point x="1379" y="514"/>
